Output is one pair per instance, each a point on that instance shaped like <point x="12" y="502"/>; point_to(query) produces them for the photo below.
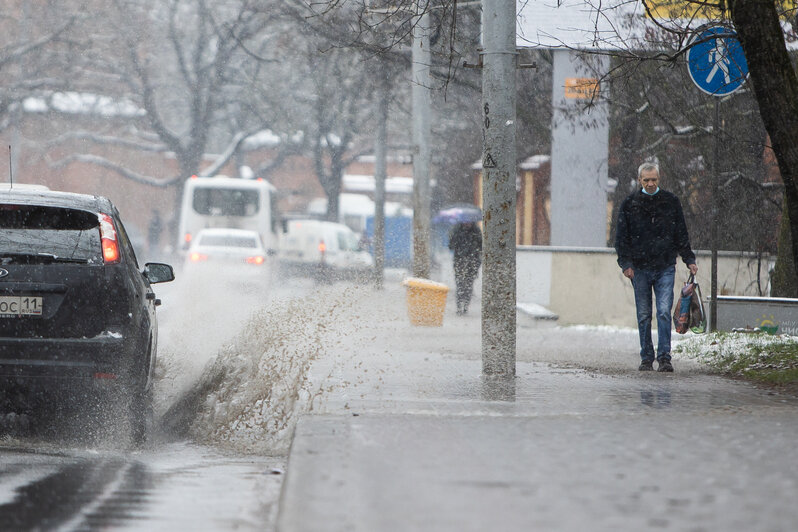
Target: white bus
<point x="223" y="201"/>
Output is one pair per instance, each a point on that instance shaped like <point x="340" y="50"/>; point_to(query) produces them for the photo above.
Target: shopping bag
<point x="689" y="313"/>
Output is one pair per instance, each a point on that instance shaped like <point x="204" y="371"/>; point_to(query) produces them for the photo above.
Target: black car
<point x="76" y="312"/>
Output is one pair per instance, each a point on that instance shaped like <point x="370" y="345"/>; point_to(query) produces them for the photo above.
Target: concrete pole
<point x="421" y="156"/>
<point x="498" y="188"/>
<point x="380" y="174"/>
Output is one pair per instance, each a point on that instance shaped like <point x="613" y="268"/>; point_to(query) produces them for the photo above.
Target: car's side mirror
<point x="155" y="272"/>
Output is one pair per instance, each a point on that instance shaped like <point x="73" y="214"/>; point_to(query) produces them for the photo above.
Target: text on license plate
<point x="13" y="306"/>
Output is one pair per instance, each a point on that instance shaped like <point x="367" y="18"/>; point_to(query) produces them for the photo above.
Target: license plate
<point x="16" y="306"/>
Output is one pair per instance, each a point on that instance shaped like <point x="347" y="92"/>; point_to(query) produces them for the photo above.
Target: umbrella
<point x="459" y="213"/>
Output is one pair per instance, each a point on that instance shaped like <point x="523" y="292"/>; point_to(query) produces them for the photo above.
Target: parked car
<point x="322" y="250"/>
<point x="236" y="258"/>
<point x="77" y="314"/>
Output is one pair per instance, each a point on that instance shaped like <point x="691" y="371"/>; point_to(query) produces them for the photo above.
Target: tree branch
<point x="119" y="169"/>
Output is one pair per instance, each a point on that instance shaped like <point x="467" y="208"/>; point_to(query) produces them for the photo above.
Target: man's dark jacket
<point x="651" y="231"/>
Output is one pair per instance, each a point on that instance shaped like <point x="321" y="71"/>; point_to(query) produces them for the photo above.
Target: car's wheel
<point x="139" y="406"/>
<point x="140" y="415"/>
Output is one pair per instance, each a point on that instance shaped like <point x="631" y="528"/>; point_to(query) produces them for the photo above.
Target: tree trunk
<point x="333" y="189"/>
<point x="626" y="169"/>
<point x="776" y="89"/>
<point x="784" y="282"/>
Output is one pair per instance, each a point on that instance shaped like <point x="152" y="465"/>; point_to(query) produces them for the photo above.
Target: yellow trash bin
<point x="426" y="301"/>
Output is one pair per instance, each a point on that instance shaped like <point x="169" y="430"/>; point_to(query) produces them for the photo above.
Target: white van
<point x="322" y="250"/>
<point x="228" y="202"/>
<point x="353" y="209"/>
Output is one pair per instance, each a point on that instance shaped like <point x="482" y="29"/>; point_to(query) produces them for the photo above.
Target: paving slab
<point x="407" y="435"/>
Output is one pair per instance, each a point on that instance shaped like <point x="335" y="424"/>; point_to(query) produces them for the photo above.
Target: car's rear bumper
<point x="64" y="359"/>
<point x="319" y="269"/>
<point x="236" y="278"/>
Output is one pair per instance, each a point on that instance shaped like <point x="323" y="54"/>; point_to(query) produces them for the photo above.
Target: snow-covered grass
<point x="756" y="356"/>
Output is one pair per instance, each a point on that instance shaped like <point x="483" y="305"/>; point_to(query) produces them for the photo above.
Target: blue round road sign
<point x="716" y="61"/>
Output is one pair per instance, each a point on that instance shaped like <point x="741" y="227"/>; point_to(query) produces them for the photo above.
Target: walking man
<point x="466" y="242"/>
<point x="651" y="231"/>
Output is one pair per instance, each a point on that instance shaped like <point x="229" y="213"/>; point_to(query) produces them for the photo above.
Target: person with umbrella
<point x="465" y="241"/>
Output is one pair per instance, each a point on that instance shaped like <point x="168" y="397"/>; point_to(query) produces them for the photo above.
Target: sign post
<point x="717" y="66"/>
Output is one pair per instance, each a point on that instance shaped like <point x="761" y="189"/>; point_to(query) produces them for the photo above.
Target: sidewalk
<point x="409" y="436"/>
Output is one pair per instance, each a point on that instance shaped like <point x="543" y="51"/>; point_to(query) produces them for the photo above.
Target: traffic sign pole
<point x="716" y="64"/>
<point x="713" y="303"/>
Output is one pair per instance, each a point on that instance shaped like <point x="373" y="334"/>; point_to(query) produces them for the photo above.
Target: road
<point x="166" y="487"/>
<point x="62" y="472"/>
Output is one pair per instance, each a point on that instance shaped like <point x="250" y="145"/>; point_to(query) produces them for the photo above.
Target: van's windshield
<point x="347" y="241"/>
<point x="217" y="201"/>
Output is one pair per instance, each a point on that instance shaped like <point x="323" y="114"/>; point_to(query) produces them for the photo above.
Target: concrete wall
<point x="770" y="314"/>
<point x="579" y="146"/>
<point x="586" y="286"/>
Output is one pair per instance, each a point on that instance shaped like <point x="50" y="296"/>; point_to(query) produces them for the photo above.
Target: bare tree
<point x="341" y="101"/>
<point x="776" y="87"/>
<point x="34" y="37"/>
<point x="657" y="111"/>
<point x="185" y="65"/>
<point x="334" y="62"/>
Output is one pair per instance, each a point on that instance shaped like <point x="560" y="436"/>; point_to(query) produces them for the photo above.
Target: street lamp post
<point x="421" y="150"/>
<point x="499" y="58"/>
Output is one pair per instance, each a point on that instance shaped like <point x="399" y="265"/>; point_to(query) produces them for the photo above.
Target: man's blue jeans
<point x="661" y="282"/>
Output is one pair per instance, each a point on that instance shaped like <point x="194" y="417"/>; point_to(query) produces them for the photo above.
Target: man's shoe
<point x="665" y="365"/>
<point x="647" y="365"/>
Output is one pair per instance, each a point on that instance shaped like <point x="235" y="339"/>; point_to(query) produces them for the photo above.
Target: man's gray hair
<point x="648" y="165"/>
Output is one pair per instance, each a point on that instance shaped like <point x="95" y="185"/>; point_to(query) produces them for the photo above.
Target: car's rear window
<point x="58" y="231"/>
<point x="228" y="241"/>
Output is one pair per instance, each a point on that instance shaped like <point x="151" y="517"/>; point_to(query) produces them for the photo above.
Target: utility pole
<point x="499" y="58"/>
<point x="380" y="174"/>
<point x="421" y="153"/>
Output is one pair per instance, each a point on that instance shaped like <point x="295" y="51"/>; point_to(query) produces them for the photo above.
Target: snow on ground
<point x="709" y="349"/>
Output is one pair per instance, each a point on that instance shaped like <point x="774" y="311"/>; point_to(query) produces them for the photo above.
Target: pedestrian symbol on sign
<point x="716" y="62"/>
<point x="721" y="61"/>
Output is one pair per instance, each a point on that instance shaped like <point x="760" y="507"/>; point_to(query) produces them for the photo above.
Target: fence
<point x="586" y="286"/>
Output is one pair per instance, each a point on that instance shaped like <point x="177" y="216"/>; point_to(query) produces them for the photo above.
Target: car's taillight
<point x="108" y="239"/>
<point x="322" y="247"/>
<point x="198" y="257"/>
<point x="258" y="259"/>
<point x="187" y="238"/>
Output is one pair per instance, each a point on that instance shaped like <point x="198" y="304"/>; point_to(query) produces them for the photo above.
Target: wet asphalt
<point x="165" y="487"/>
<point x="406" y="434"/>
